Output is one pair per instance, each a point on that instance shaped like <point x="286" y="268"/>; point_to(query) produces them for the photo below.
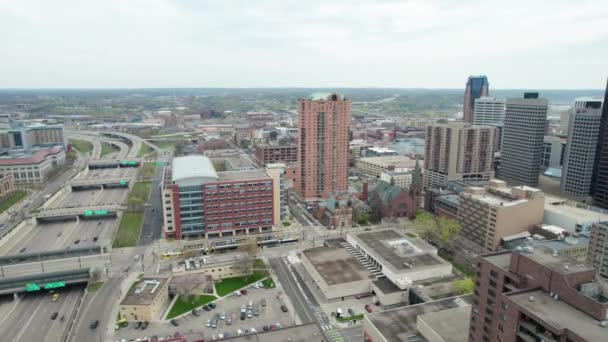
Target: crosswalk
<point x="334" y="336"/>
<point x="328" y="329"/>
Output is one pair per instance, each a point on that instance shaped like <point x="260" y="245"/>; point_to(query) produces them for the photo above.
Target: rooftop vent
<point x="531" y="298"/>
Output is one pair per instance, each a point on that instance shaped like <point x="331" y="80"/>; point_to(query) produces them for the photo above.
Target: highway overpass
<point x="44" y="281"/>
<point x="108" y="164"/>
<point x="24" y="258"/>
<point x="78" y="213"/>
<point x="85" y="184"/>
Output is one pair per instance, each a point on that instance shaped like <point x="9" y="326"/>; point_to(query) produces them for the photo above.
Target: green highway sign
<point x="32" y="287"/>
<point x="122" y="182"/>
<point x="101" y="212"/>
<point x="54" y="285"/>
<point x="88" y="212"/>
<point x="160" y="163"/>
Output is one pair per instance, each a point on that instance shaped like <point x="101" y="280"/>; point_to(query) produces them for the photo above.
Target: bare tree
<point x="249" y="250"/>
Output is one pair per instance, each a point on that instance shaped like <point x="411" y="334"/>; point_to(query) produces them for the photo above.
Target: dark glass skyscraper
<point x="477" y="86"/>
<point x="599" y="186"/>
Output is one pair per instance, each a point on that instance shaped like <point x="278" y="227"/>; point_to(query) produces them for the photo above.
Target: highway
<point x="59" y="235"/>
<point x="83" y="198"/>
<point x="29" y="319"/>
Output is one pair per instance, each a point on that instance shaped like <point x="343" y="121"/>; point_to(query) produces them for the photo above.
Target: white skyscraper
<point x="489" y="111"/>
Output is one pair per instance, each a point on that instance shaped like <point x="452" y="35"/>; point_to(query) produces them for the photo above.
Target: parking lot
<point x="270" y="314"/>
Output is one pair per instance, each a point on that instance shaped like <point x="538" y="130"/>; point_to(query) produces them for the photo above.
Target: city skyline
<point x="390" y="44"/>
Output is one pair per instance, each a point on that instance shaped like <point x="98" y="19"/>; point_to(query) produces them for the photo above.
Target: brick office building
<point x="268" y="154"/>
<point x="200" y="202"/>
<point x="537" y="295"/>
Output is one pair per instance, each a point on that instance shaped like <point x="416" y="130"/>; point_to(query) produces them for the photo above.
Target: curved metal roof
<point x="190" y="170"/>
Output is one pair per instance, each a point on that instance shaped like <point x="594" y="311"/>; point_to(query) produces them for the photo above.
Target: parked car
<point x="368" y="308"/>
<point x="229" y="320"/>
<point x="243" y="316"/>
<point x="284" y="308"/>
<point x="212" y="305"/>
<point x="174" y="322"/>
<point x="243" y="308"/>
<point x="237" y="293"/>
<point x="263" y="301"/>
<point x="138" y="325"/>
<point x="94" y="324"/>
<point x="145" y="325"/>
<point x="363" y="295"/>
<point x="239" y="332"/>
<point x="208" y="323"/>
<point x="223" y="315"/>
<point x="244" y="292"/>
<point x="196" y="312"/>
<point x="266" y="328"/>
<point x="206" y="307"/>
<point x="54" y="315"/>
<point x="351" y="312"/>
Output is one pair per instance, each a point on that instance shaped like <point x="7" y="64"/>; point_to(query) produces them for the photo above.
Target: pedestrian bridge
<point x="78" y="213"/>
<point x="105" y="183"/>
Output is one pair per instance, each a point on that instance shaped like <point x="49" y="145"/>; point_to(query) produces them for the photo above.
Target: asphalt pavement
<point x="153" y="214"/>
<point x="301" y="306"/>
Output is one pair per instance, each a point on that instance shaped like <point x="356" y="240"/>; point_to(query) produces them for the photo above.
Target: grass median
<point x="82" y="146"/>
<point x="107" y="148"/>
<point x="8" y="202"/>
<point x="130" y="223"/>
<point x="147" y="170"/>
<point x="143" y="150"/>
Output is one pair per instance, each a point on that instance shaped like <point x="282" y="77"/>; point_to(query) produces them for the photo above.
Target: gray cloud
<point x="275" y="43"/>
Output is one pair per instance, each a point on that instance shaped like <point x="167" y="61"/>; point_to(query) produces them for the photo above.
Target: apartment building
<point x="597" y="253"/>
<point x="200" y="202"/>
<point x="537" y="295"/>
<point x="323" y="120"/>
<point x="458" y="151"/>
<point x="491" y="213"/>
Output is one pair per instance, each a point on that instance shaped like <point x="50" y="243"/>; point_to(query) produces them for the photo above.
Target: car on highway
<point x="95" y="239"/>
<point x="54" y="297"/>
<point x="174" y="322"/>
<point x="77" y="242"/>
<point x="54" y="315"/>
<point x="22" y="250"/>
<point x="94" y="324"/>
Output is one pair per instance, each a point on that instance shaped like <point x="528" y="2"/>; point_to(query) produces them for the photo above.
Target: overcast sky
<point x="304" y="43"/>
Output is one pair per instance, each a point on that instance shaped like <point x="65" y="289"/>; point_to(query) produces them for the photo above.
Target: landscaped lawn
<point x="147" y="170"/>
<point x="286" y="224"/>
<point x="268" y="283"/>
<point x="128" y="230"/>
<point x="183" y="304"/>
<point x="95" y="286"/>
<point x="167" y="144"/>
<point x="259" y="264"/>
<point x="145" y="149"/>
<point x="107" y="148"/>
<point x="350" y="318"/>
<point x="8" y="202"/>
<point x="82" y="146"/>
<point x="229" y="285"/>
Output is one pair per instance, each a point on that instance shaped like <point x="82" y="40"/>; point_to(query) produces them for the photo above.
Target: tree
<point x="245" y="144"/>
<point x="360" y="216"/>
<point x="463" y="286"/>
<point x="249" y="250"/>
<point x="441" y="231"/>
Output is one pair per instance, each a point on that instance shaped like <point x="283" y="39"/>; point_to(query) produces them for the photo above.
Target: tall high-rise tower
<point x="323" y="120"/>
<point x="477" y="86"/>
<point x="579" y="157"/>
<point x="522" y="139"/>
<point x="599" y="186"/>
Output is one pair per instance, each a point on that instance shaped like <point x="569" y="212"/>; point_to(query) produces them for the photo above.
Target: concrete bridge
<point x="105" y="183"/>
<point x="66" y="214"/>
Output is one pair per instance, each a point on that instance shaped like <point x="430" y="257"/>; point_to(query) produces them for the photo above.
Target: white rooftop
<point x="193" y="170"/>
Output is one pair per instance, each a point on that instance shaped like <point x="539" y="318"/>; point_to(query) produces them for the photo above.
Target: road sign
<point x="54" y="285"/>
<point x="32" y="287"/>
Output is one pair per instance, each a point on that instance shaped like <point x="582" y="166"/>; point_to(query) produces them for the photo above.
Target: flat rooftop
<point x="386" y="286"/>
<point x="452" y="325"/>
<point x="398" y="325"/>
<point x="230" y="176"/>
<point x="561" y="206"/>
<point x="560" y="315"/>
<point x="144" y="291"/>
<point x="336" y="265"/>
<point x="560" y="263"/>
<point x="301" y="333"/>
<point x="395" y="250"/>
<point x="397" y="161"/>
